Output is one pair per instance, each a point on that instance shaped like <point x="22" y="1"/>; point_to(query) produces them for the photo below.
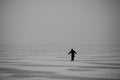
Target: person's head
<point x="71" y="49"/>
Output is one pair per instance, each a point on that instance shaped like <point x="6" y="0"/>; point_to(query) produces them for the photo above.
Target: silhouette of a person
<point x="72" y="52"/>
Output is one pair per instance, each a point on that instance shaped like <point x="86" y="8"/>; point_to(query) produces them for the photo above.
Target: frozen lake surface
<point x="53" y="63"/>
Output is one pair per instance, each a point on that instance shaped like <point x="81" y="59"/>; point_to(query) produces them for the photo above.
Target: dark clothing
<point x="72" y="52"/>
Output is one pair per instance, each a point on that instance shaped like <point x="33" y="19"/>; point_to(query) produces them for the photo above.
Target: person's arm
<point x="75" y="52"/>
<point x="69" y="53"/>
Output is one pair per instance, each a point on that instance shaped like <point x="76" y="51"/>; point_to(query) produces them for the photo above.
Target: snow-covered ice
<point x="38" y="63"/>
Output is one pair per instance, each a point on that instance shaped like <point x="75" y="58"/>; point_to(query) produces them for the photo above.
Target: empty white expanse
<point x="60" y="22"/>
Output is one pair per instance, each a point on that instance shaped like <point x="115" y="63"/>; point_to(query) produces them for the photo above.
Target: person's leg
<point x="72" y="58"/>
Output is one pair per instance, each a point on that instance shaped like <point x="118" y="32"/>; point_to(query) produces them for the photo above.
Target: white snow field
<point x="53" y="63"/>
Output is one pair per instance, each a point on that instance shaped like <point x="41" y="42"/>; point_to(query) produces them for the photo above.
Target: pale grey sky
<point x="60" y="21"/>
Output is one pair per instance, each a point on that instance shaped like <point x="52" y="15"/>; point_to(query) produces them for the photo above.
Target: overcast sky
<point x="60" y="21"/>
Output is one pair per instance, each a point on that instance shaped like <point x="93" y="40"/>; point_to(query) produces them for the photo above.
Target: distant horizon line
<point x="58" y="44"/>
